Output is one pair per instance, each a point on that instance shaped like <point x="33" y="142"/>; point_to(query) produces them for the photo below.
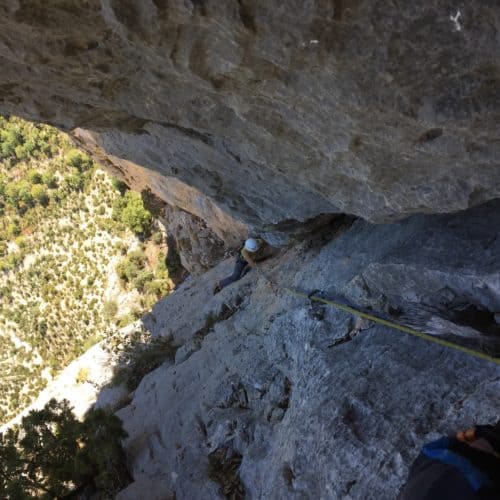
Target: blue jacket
<point x="448" y="469"/>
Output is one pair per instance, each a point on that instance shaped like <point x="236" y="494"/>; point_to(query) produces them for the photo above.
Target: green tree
<point x="10" y="138"/>
<point x="39" y="193"/>
<point x="119" y="185"/>
<point x="13" y="229"/>
<point x="35" y="177"/>
<point x="74" y="181"/>
<point x="18" y="194"/>
<point x="79" y="160"/>
<point x="53" y="453"/>
<point x="49" y="179"/>
<point x="134" y="214"/>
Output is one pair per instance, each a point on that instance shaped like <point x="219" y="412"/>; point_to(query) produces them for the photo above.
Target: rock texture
<point x="262" y="116"/>
<point x="316" y="403"/>
<point x="268" y="114"/>
<point x="198" y="246"/>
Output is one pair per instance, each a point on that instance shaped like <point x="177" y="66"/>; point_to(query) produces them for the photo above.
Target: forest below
<point x="80" y="256"/>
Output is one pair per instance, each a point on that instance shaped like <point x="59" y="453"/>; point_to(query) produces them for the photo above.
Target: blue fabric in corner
<point x="439" y="450"/>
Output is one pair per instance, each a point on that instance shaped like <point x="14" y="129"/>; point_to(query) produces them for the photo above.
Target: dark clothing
<point x="433" y="480"/>
<point x="448" y="469"/>
<point x="491" y="433"/>
<point x="240" y="269"/>
<point x="241" y="266"/>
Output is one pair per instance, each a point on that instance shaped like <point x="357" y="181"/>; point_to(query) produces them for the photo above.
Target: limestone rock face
<point x="198" y="246"/>
<point x="264" y="113"/>
<point x="315" y="403"/>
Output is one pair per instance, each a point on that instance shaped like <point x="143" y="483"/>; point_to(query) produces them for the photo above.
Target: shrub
<point x="9" y="140"/>
<point x="119" y="185"/>
<point x="18" y="193"/>
<point x="157" y="238"/>
<point x="90" y="341"/>
<point x="139" y="358"/>
<point x="161" y="269"/>
<point x="142" y="280"/>
<point x="129" y="268"/>
<point x="110" y="309"/>
<point x="126" y="320"/>
<point x="82" y="375"/>
<point x="74" y="181"/>
<point x="127" y="271"/>
<point x="20" y="241"/>
<point x="158" y="288"/>
<point x="121" y="247"/>
<point x="79" y="160"/>
<point x="39" y="193"/>
<point x="49" y="180"/>
<point x="25" y="150"/>
<point x="138" y="257"/>
<point x="13" y="229"/>
<point x="35" y="177"/>
<point x="78" y="293"/>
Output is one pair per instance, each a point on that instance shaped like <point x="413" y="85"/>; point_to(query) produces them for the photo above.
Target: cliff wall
<point x="268" y="113"/>
<point x="307" y="401"/>
<point x="267" y="116"/>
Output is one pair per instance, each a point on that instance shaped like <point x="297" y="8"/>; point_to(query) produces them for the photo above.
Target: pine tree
<point x="52" y="454"/>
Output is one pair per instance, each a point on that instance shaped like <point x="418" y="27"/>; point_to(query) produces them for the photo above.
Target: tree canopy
<point x="130" y="211"/>
<point x="52" y="453"/>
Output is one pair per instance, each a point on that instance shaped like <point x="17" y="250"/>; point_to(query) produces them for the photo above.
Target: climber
<point x="254" y="250"/>
<point x="464" y="467"/>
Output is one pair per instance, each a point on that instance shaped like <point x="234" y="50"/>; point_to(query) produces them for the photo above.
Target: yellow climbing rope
<point x="395" y="326"/>
<point x="385" y="322"/>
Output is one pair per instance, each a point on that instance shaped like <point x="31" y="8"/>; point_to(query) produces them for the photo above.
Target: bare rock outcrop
<point x="268" y="113"/>
<point x="198" y="246"/>
<point x="282" y="398"/>
<point x="262" y="115"/>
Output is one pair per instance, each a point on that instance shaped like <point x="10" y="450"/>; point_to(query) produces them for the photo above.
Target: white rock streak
<point x="454" y="19"/>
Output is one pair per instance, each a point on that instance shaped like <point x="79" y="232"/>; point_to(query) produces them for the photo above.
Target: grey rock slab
<point x="186" y="311"/>
<point x="184" y="352"/>
<point x="198" y="246"/>
<point x="112" y="397"/>
<point x="319" y="405"/>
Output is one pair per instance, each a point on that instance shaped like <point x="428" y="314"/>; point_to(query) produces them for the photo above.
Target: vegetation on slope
<point x="79" y="257"/>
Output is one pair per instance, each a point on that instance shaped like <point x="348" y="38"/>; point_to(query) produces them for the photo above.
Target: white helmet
<point x="251" y="245"/>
